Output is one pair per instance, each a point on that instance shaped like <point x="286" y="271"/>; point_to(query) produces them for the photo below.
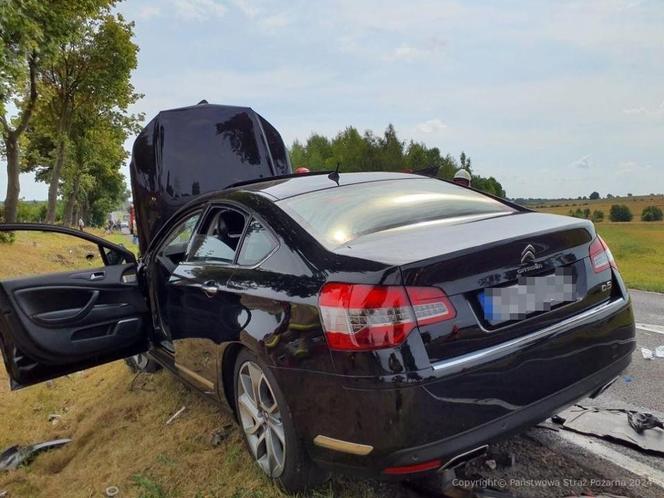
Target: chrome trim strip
<point x="495" y="352"/>
<point x="464" y="457"/>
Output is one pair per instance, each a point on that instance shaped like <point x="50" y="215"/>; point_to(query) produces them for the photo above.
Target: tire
<point x="142" y="363"/>
<point x="268" y="424"/>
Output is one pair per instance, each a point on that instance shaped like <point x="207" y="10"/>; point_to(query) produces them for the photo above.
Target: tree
<point x="620" y="212"/>
<point x="92" y="70"/>
<point x="651" y="213"/>
<point x="30" y="31"/>
<point x="594" y="196"/>
<point x="368" y="152"/>
<point x="598" y="216"/>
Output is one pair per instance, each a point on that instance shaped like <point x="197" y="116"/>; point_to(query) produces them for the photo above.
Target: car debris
<point x="54" y="418"/>
<point x="175" y="415"/>
<point x="491" y="464"/>
<point x="615" y="425"/>
<point x="15" y="456"/>
<point x="647" y="353"/>
<point x="643" y="421"/>
<point x="659" y="351"/>
<point x="112" y="491"/>
<point x="219" y="435"/>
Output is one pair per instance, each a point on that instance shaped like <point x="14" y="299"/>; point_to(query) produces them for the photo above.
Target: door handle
<point x="97" y="275"/>
<point x="210" y="288"/>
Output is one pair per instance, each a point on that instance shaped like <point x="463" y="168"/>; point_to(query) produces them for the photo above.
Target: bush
<point x="652" y="213"/>
<point x="7" y="237"/>
<point x="598" y="215"/>
<point x="594" y="196"/>
<point x="620" y="212"/>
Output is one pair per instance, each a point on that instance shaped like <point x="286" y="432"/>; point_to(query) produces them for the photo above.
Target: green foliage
<point x="75" y="142"/>
<point x="594" y="196"/>
<point x="598" y="215"/>
<point x="368" y="152"/>
<point x="148" y="488"/>
<point x="620" y="212"/>
<point x="651" y="213"/>
<point x="7" y="237"/>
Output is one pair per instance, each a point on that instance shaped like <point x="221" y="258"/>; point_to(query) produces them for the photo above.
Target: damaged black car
<point x="383" y="325"/>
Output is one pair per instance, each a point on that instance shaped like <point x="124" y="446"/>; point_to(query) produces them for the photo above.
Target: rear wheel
<point x="268" y="427"/>
<point x="141" y="363"/>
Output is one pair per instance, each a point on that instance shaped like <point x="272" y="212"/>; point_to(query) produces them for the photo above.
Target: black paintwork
<point x="392" y="399"/>
<point x="183" y="153"/>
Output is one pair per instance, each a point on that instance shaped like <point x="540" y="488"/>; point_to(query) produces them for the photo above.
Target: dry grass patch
<point x="117" y="421"/>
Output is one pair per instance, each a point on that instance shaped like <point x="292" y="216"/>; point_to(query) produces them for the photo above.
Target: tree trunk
<point x="55" y="181"/>
<point x="68" y="217"/>
<point x="13" y="186"/>
<point x="11" y="143"/>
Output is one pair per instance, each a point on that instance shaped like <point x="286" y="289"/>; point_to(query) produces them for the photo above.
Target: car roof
<point x="292" y="185"/>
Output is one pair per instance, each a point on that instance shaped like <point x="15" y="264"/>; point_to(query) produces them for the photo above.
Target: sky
<point x="553" y="99"/>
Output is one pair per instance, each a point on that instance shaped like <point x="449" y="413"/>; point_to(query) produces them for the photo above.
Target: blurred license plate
<point x="530" y="295"/>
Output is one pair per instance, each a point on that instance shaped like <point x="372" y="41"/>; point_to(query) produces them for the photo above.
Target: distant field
<point x="637" y="246"/>
<point x="635" y="204"/>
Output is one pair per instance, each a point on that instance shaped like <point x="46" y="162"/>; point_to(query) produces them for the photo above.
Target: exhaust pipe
<point x="463" y="458"/>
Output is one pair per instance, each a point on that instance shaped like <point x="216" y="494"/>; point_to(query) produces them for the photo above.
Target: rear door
<point x="57" y="323"/>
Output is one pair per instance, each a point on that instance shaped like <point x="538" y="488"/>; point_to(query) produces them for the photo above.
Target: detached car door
<point x="57" y="323"/>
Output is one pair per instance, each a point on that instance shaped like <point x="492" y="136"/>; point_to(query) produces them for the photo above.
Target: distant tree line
<point x="618" y="213"/>
<point x="65" y="70"/>
<point x="354" y="151"/>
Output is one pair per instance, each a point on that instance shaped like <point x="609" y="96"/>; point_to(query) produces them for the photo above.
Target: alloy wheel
<point x="261" y="420"/>
<point x="141" y="361"/>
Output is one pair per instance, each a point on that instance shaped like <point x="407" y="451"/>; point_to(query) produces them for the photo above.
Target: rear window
<point x="339" y="215"/>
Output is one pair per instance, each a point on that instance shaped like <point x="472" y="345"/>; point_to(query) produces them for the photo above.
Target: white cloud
<point x="423" y="50"/>
<point x="148" y="12"/>
<point x="431" y="126"/>
<point x="645" y="111"/>
<point x="406" y="53"/>
<point x="248" y="7"/>
<point x="583" y="162"/>
<point x="199" y="10"/>
<point x="276" y="21"/>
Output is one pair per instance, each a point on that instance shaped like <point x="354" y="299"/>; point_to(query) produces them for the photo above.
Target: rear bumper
<point x="465" y="402"/>
<point x="510" y="424"/>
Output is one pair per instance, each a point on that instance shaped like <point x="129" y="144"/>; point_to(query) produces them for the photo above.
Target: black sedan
<point x="377" y="324"/>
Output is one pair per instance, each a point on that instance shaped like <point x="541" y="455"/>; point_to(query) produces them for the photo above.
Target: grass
<point x="117" y="422"/>
<point x="639" y="251"/>
<point x="637" y="246"/>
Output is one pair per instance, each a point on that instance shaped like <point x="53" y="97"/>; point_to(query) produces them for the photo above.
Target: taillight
<point x="600" y="255"/>
<point x="413" y="468"/>
<point x="360" y="317"/>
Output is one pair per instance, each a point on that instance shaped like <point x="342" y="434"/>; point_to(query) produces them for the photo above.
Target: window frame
<point x="249" y="216"/>
<point x="161" y="242"/>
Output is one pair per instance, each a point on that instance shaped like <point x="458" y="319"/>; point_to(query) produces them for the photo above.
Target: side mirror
<point x="114" y="257"/>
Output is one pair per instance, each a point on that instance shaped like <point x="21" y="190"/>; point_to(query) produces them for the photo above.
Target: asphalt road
<point x="641" y="386"/>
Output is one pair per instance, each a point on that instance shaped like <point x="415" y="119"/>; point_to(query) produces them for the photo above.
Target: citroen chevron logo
<point x="528" y="255"/>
